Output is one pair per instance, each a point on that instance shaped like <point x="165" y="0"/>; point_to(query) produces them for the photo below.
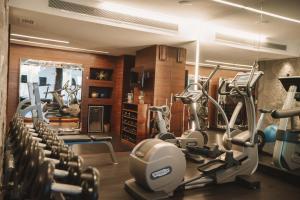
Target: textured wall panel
<point x="271" y="93"/>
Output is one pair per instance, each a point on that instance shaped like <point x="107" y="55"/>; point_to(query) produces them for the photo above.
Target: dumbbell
<point x="60" y="157"/>
<point x="71" y="175"/>
<point x="54" y="150"/>
<point x="44" y="184"/>
<point x="48" y="140"/>
<point x="26" y="146"/>
<point x="69" y="162"/>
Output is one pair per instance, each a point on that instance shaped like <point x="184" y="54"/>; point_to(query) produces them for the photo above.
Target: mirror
<point x="59" y="87"/>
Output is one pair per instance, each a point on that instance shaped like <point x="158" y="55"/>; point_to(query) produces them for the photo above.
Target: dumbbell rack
<point x="35" y="159"/>
<point x="134" y="123"/>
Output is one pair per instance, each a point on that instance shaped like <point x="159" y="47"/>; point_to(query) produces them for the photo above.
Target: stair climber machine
<point x="158" y="167"/>
<point x="286" y="153"/>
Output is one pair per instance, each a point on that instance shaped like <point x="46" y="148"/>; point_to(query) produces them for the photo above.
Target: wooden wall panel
<point x="168" y="71"/>
<point x="145" y="60"/>
<point x="170" y="79"/>
<point x="117" y="95"/>
<point x="121" y="80"/>
<point x="129" y="62"/>
<point x="86" y="59"/>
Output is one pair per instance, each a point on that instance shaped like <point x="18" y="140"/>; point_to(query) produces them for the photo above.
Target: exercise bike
<point x="158" y="167"/>
<point x="160" y="124"/>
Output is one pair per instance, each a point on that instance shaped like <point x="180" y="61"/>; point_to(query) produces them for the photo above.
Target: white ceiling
<point x="85" y="32"/>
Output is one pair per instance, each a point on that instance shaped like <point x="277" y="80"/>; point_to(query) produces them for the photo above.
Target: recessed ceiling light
<point x="58" y="46"/>
<point x="39" y="38"/>
<point x="185" y="3"/>
<point x="257" y="11"/>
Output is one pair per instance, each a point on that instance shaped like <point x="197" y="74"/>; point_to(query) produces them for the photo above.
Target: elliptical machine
<point x="158" y="167"/>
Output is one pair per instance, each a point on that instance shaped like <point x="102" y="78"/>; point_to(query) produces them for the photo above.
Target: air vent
<point x="229" y="39"/>
<point x="23" y="21"/>
<point x="27" y="21"/>
<point x="112" y="16"/>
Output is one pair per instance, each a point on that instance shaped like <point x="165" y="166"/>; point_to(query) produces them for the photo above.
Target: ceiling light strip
<point x="39" y="38"/>
<point x="227" y="63"/>
<point x="223" y="67"/>
<point x="58" y="46"/>
<point x="257" y="11"/>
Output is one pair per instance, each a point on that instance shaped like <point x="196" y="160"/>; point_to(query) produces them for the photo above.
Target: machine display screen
<point x="242" y="78"/>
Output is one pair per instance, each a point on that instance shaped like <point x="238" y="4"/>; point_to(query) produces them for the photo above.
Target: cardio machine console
<point x="242" y="79"/>
<point x="190" y="95"/>
<point x="289" y="81"/>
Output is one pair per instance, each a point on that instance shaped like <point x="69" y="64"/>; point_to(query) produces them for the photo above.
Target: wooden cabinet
<point x="134" y="123"/>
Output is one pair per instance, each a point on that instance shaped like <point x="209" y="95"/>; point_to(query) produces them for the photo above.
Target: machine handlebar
<point x="159" y="108"/>
<point x="220" y="88"/>
<point x="277" y="114"/>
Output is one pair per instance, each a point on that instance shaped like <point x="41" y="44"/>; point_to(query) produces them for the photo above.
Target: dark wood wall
<point x="145" y="60"/>
<point x="167" y="68"/>
<point x="121" y="88"/>
<point x="86" y="59"/>
<point x="213" y="87"/>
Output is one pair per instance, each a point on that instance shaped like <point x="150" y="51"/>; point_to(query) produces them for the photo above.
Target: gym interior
<point x="136" y="99"/>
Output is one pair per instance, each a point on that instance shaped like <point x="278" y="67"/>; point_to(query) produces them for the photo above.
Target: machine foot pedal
<point x="195" y="158"/>
<point x="212" y="166"/>
<point x="248" y="181"/>
<point x="140" y="193"/>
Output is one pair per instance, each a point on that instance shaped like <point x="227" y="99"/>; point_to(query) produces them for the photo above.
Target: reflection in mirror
<point x="59" y="86"/>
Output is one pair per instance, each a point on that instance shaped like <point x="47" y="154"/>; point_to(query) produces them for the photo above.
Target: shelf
<point x="100" y="101"/>
<point x="134" y="111"/>
<point x="104" y="74"/>
<point x="130" y="103"/>
<point x="134" y="125"/>
<point x="129" y="132"/>
<point x="130" y="125"/>
<point x="100" y="83"/>
<point x="101" y="92"/>
<point x="130" y="118"/>
<point x="102" y="67"/>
